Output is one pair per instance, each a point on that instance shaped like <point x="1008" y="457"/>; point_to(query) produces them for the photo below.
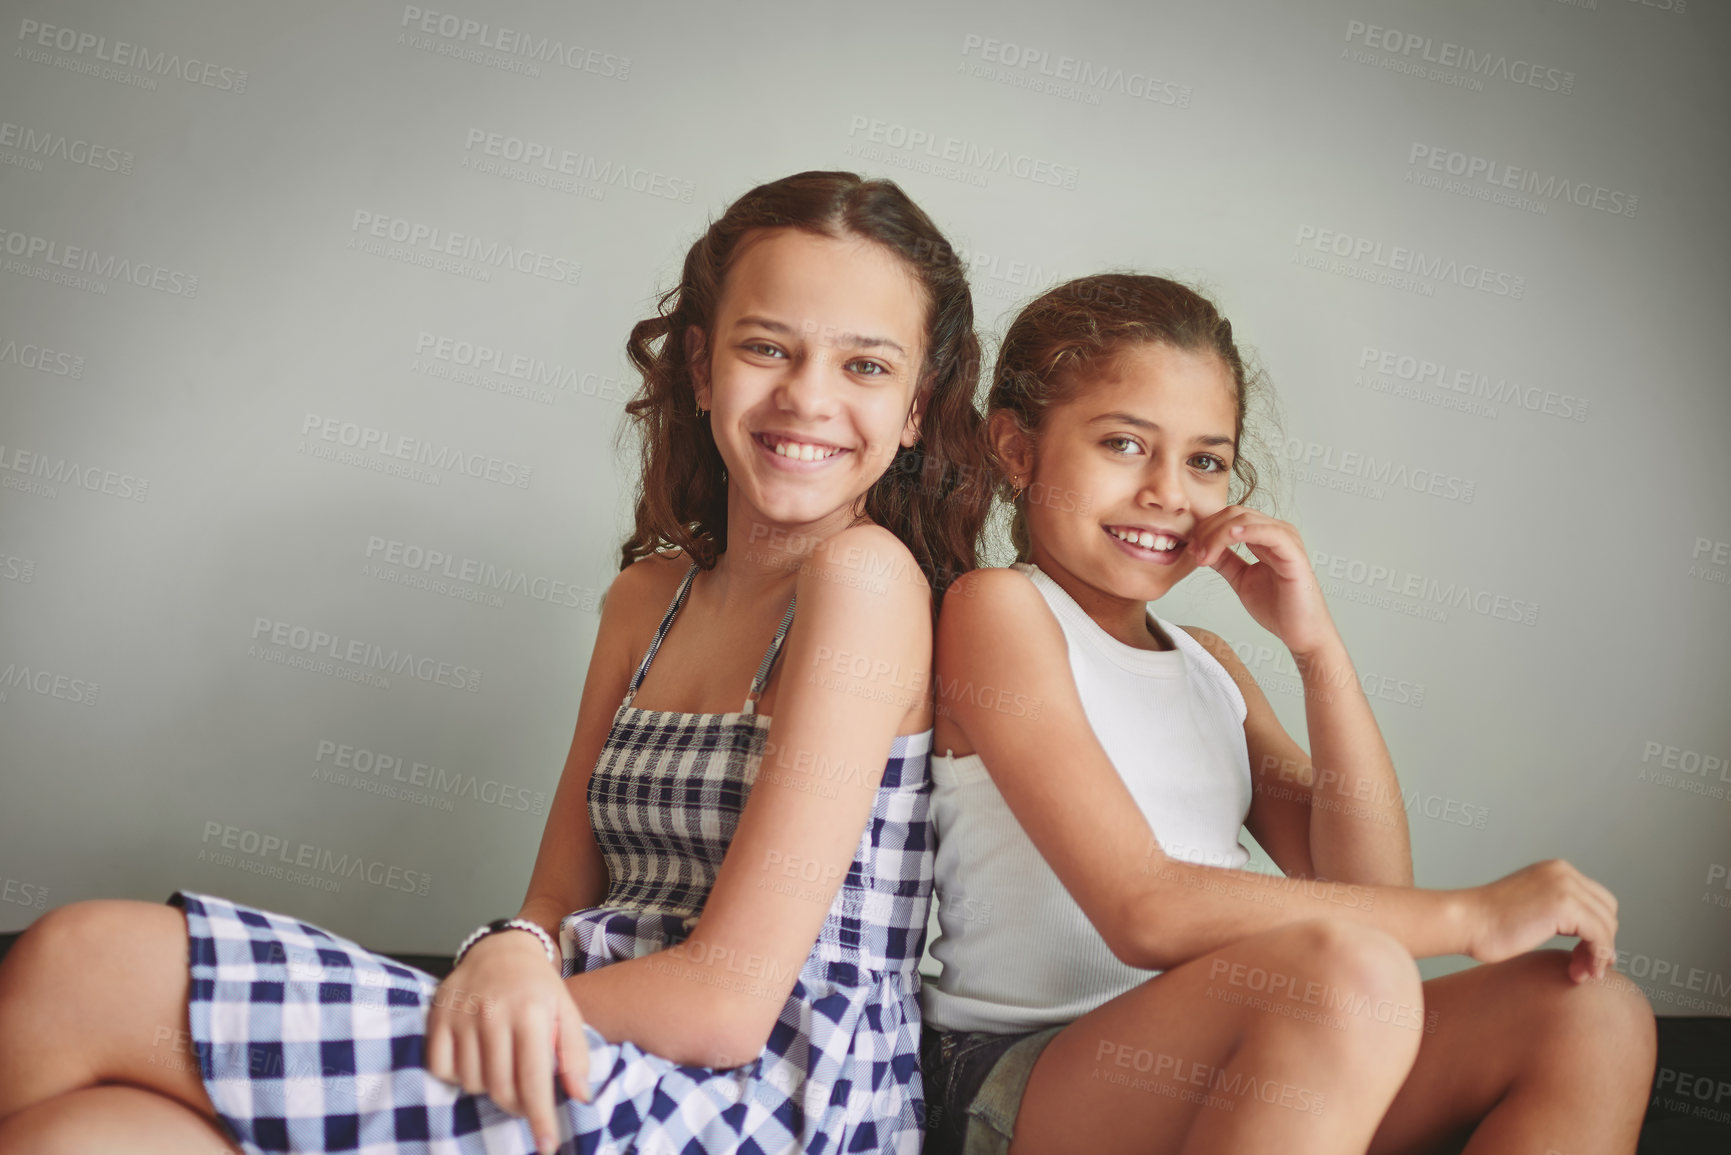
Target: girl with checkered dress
<point x="737" y="862"/>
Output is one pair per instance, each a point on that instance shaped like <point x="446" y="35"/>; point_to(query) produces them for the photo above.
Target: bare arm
<point x="714" y="999"/>
<point x="508" y="1051"/>
<point x="1353" y="776"/>
<point x="1153" y="911"/>
<point x="1342" y="819"/>
<point x="569" y="872"/>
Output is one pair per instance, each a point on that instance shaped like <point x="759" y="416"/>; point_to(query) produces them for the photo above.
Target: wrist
<point x="497" y="943"/>
<point x="1321" y="656"/>
<point x="497" y="928"/>
<point x="1459" y="919"/>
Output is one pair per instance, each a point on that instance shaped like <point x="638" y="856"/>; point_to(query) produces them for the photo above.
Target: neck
<point x="1125" y="619"/>
<point x="764" y="556"/>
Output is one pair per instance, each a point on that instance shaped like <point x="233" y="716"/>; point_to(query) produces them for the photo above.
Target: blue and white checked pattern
<point x="309" y="1043"/>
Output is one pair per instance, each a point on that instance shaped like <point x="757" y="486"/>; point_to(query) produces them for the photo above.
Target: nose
<point x="805" y="390"/>
<point x="1163" y="485"/>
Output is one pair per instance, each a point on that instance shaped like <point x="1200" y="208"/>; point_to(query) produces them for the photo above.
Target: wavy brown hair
<point x="933" y="496"/>
<point x="1085" y="323"/>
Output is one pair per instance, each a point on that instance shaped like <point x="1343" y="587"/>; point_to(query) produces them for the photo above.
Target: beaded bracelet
<point x="499" y="924"/>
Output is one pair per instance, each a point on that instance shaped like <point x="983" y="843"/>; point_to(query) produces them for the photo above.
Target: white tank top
<point x="1017" y="952"/>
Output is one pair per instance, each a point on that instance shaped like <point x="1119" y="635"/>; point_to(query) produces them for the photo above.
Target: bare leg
<point x="102" y="1120"/>
<point x="1537" y="1063"/>
<point x="96" y="993"/>
<point x="1202" y="1058"/>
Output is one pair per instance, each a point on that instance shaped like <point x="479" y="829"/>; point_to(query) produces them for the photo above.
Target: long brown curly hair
<point x="1086" y="322"/>
<point x="934" y="495"/>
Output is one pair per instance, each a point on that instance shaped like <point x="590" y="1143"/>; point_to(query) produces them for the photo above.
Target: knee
<point x="1349" y="989"/>
<point x="1368" y="991"/>
<point x="1357" y="966"/>
<point x="55" y="944"/>
<point x="1610" y="1015"/>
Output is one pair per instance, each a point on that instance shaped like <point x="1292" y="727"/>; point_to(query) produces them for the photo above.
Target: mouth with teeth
<point x="789" y="449"/>
<point x="1146" y="545"/>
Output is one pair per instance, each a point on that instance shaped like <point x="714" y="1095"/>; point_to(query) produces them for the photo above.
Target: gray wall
<point x="311" y="349"/>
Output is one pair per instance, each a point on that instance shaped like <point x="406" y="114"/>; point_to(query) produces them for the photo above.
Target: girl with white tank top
<point x="1017" y="952"/>
<point x="1112" y="980"/>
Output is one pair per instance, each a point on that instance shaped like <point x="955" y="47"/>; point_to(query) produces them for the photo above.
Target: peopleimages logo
<point x="1471" y="384"/>
<point x="1376" y="578"/>
<point x="1681" y="768"/>
<point x="360" y="768"/>
<point x="924" y="144"/>
<point x="1369" y="259"/>
<point x="28" y="355"/>
<point x="1495" y="176"/>
<point x="88" y="45"/>
<point x="274" y="849"/>
<point x="17" y="569"/>
<point x="37" y="143"/>
<point x="23" y="893"/>
<point x="1711" y="561"/>
<point x="1448" y="60"/>
<point x="1314" y="456"/>
<point x="314" y="646"/>
<point x="1666" y="980"/>
<point x="1068" y="76"/>
<point x="415" y="565"/>
<point x="554" y="160"/>
<point x="429" y="241"/>
<point x="47" y="683"/>
<point x="419" y="451"/>
<point x="464" y="361"/>
<point x="81" y="259"/>
<point x="42" y="472"/>
<point x="526" y="47"/>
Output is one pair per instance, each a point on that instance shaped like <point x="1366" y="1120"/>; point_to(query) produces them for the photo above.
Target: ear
<point x="697" y="359"/>
<point x="916" y="414"/>
<point x="1014" y="448"/>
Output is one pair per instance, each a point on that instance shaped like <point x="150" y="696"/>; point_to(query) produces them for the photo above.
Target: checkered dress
<point x="309" y="1043"/>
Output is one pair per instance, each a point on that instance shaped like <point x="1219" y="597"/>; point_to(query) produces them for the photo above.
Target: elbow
<point x="735" y="1031"/>
<point x="1137" y="936"/>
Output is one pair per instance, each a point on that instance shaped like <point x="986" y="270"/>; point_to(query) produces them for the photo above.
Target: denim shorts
<point x="974" y="1082"/>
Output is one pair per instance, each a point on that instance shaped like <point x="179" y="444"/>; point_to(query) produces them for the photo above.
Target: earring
<point x="1015" y="480"/>
<point x="697" y="411"/>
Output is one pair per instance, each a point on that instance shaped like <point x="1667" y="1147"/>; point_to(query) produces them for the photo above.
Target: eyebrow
<point x="1119" y="417"/>
<point x="852" y="340"/>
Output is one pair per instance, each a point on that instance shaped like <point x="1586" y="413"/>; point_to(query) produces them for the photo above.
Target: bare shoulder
<point x="988" y="599"/>
<point x="1222" y="652"/>
<point x="657" y="575"/>
<point x="1258" y="712"/>
<point x="865" y="570"/>
<point x="1002" y="662"/>
<point x="637" y="597"/>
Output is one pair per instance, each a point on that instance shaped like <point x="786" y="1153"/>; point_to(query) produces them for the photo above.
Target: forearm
<point x="711" y="1009"/>
<point x="567" y="877"/>
<point x="1358" y="828"/>
<point x="1184" y="910"/>
<point x="544" y="913"/>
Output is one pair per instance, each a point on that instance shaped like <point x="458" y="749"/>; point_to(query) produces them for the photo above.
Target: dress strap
<point x="769" y="656"/>
<point x="660" y="633"/>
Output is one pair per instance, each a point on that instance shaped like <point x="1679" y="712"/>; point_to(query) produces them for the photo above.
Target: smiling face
<point x="1122" y="472"/>
<point x="810" y="376"/>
